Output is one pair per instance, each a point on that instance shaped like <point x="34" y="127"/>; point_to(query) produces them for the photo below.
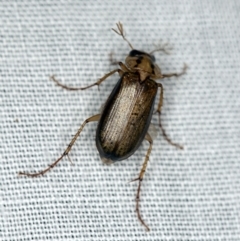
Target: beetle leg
<point x="112" y="60"/>
<point x="174" y="74"/>
<point x="120" y="32"/>
<point x="84" y="88"/>
<point x="124" y="67"/>
<point x="140" y="178"/>
<point x="160" y="103"/>
<point x="66" y="152"/>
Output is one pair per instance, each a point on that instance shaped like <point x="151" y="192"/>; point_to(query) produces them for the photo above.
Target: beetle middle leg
<point x="84" y="88"/>
<point x="120" y="72"/>
<point x="66" y="152"/>
<point x="140" y="178"/>
<point x="160" y="103"/>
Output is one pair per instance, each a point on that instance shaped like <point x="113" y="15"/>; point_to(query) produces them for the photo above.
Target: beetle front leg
<point x="140" y="178"/>
<point x="112" y="60"/>
<point x="66" y="152"/>
<point x="174" y="74"/>
<point x="160" y="103"/>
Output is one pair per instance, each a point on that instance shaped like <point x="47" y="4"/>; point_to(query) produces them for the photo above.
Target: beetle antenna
<point x="120" y="32"/>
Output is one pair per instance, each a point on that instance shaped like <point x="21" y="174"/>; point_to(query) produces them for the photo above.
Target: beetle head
<point x="144" y="64"/>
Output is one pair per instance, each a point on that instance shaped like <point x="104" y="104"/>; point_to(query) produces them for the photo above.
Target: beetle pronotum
<point x="125" y="119"/>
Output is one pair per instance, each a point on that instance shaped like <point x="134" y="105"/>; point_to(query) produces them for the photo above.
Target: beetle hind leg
<point x="66" y="152"/>
<point x="140" y="178"/>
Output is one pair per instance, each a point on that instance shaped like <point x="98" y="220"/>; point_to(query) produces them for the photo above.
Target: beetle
<point x="124" y="122"/>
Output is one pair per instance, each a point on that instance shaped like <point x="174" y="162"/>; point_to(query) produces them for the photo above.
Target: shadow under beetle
<point x="125" y="119"/>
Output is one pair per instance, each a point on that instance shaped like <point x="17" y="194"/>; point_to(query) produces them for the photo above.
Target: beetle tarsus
<point x="140" y="179"/>
<point x="176" y="74"/>
<point x="66" y="152"/>
<point x="137" y="206"/>
<point x="58" y="83"/>
<point x="43" y="171"/>
<point x="137" y="200"/>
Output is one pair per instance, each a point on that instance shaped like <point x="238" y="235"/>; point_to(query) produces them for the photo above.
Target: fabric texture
<point x="190" y="194"/>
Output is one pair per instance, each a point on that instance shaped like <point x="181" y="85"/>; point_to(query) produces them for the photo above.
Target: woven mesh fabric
<point x="192" y="194"/>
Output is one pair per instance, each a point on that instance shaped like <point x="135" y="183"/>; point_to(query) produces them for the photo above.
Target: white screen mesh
<point x="186" y="195"/>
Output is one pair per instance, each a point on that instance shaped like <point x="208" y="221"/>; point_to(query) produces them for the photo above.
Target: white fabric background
<point x="192" y="194"/>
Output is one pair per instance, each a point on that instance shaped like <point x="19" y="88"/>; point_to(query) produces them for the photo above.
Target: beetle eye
<point x="134" y="53"/>
<point x="153" y="58"/>
<point x="137" y="53"/>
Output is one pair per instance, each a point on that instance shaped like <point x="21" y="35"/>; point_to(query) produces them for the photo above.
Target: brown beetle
<point x="125" y="119"/>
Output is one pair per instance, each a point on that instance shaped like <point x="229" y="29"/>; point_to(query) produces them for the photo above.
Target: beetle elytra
<point x="125" y="119"/>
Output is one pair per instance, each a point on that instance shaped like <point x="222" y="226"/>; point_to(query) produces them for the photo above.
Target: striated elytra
<point x="125" y="118"/>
